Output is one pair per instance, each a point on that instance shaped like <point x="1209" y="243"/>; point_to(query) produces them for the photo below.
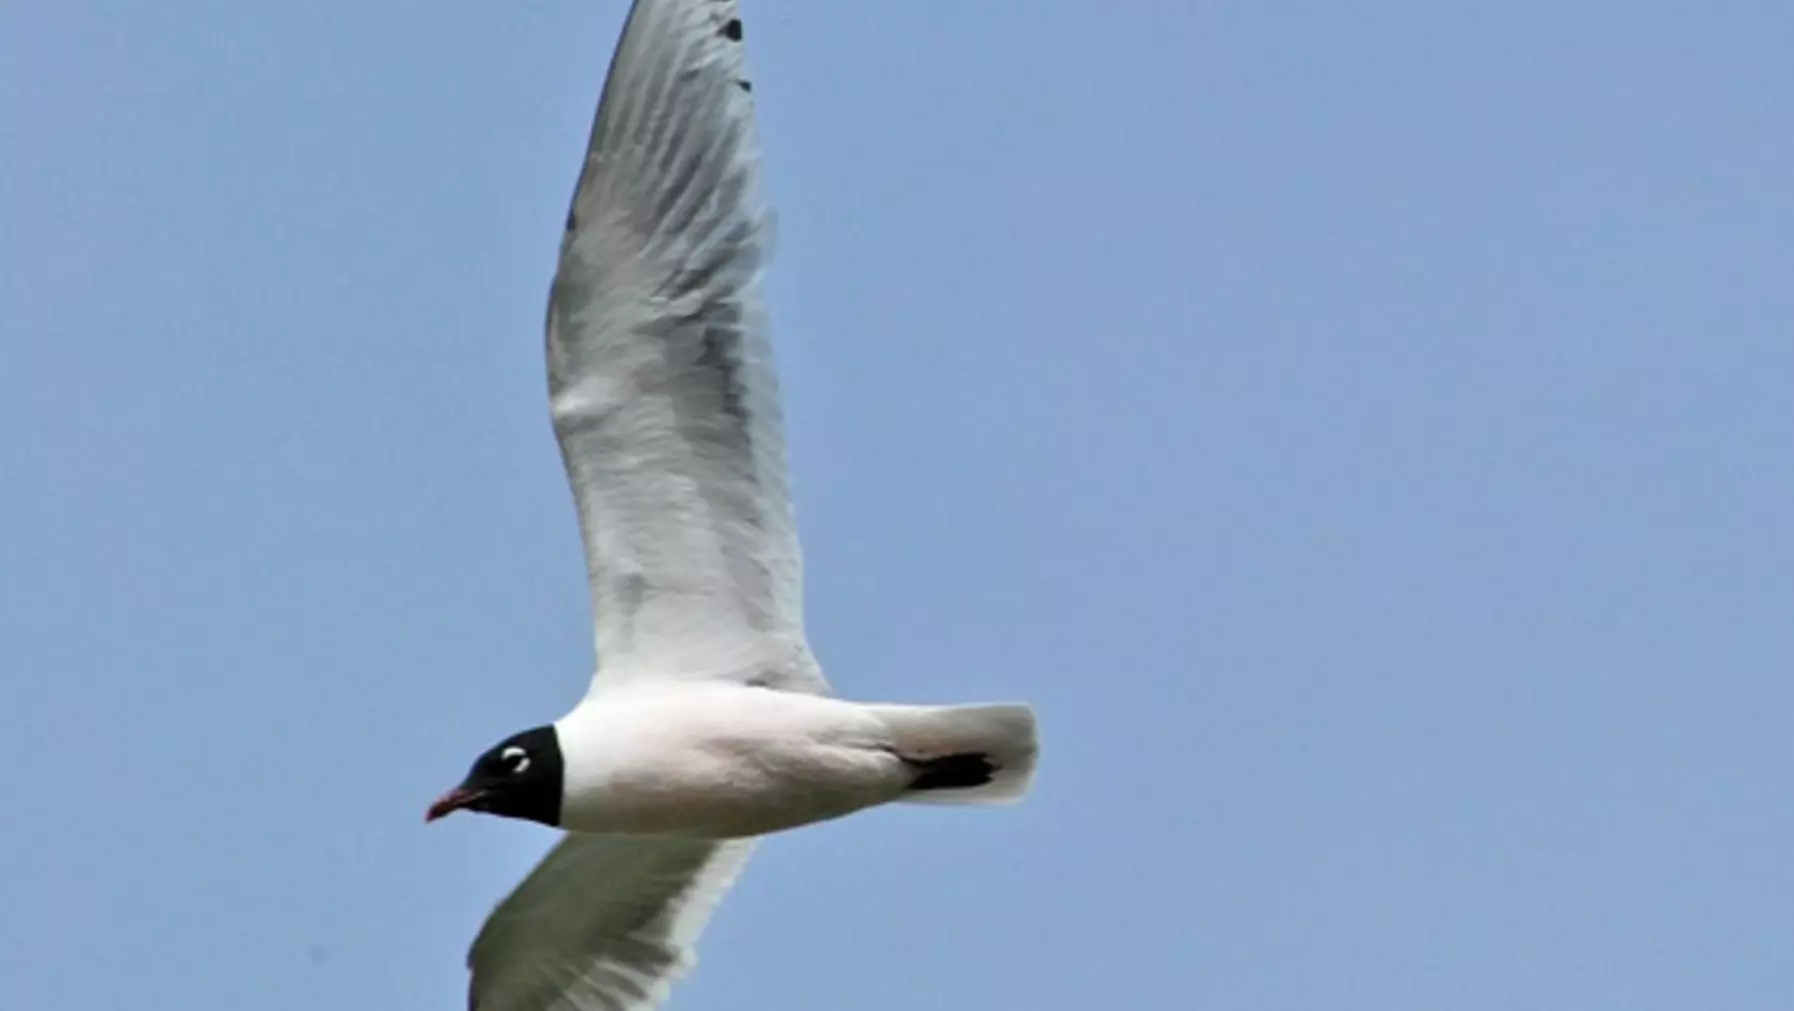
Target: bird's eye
<point x="516" y="759"/>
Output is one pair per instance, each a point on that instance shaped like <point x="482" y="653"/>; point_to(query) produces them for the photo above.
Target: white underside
<point x="721" y="760"/>
<point x="714" y="760"/>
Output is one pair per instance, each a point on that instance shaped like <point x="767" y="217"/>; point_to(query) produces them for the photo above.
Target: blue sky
<point x="1368" y="437"/>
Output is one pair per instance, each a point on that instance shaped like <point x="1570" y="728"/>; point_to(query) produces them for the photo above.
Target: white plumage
<point x="708" y="722"/>
<point x="659" y="370"/>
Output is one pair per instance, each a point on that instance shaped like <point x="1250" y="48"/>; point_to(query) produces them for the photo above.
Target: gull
<point x="708" y="723"/>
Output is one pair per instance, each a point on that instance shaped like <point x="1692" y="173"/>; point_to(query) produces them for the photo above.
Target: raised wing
<point x="660" y="373"/>
<point x="602" y="924"/>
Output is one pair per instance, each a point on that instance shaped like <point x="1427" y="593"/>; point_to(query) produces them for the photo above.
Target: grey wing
<point x="660" y="373"/>
<point x="602" y="924"/>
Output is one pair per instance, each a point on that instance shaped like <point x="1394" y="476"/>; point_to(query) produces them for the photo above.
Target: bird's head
<point x="520" y="777"/>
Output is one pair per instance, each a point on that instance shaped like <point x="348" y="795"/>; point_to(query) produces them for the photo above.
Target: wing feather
<point x="661" y="379"/>
<point x="601" y="924"/>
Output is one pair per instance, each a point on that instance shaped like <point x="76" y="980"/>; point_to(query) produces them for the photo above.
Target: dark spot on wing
<point x="960" y="771"/>
<point x="719" y="357"/>
<point x="745" y="85"/>
<point x="732" y="30"/>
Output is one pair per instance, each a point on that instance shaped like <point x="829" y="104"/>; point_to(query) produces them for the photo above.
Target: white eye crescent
<point x="516" y="758"/>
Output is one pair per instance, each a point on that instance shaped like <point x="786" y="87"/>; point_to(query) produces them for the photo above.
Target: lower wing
<point x="603" y="923"/>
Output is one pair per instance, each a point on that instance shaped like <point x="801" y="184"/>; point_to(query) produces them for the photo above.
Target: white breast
<point x="720" y="761"/>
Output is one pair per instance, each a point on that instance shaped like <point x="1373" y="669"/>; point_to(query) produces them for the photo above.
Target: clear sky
<point x="1366" y="434"/>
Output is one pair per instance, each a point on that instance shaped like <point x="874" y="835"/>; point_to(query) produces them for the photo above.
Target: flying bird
<point x="708" y="723"/>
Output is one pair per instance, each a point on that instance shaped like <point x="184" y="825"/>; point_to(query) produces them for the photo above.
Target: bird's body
<point x="722" y="761"/>
<point x="708" y="722"/>
<point x="716" y="760"/>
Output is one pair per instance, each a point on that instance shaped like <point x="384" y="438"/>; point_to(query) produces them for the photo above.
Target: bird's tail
<point x="980" y="754"/>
